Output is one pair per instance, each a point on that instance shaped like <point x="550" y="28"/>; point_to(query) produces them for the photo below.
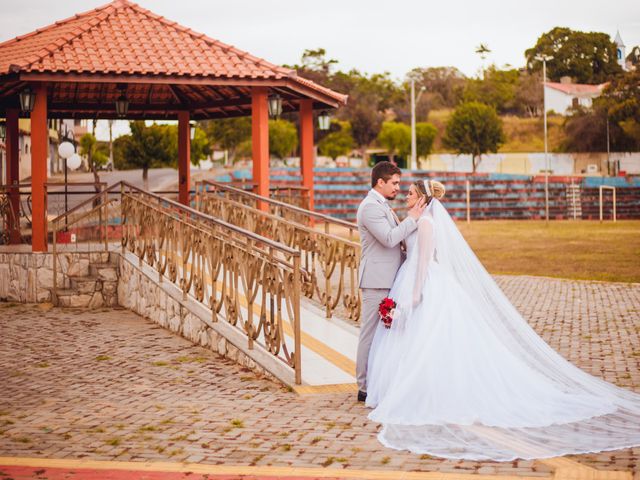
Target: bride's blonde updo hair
<point x="436" y="189"/>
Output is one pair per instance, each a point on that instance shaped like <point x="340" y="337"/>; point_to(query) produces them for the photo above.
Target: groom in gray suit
<point x="382" y="238"/>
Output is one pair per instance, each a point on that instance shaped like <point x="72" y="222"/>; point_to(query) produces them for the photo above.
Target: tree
<point x="94" y="151"/>
<point x="283" y="138"/>
<point x="148" y="147"/>
<point x="425" y="136"/>
<point x="229" y="133"/>
<point x="529" y="94"/>
<point x="483" y="50"/>
<point x="476" y="129"/>
<point x="634" y="57"/>
<point x="587" y="57"/>
<point x="200" y="145"/>
<point x="497" y="88"/>
<point x="316" y="60"/>
<point x="370" y="97"/>
<point x="396" y="138"/>
<point x="338" y="142"/>
<point x="119" y="153"/>
<point x="585" y="131"/>
<point x="96" y="155"/>
<point x="443" y="86"/>
<point x="620" y="103"/>
<point x="365" y="121"/>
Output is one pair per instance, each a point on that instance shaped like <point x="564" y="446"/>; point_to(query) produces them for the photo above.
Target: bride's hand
<point x="417" y="299"/>
<point x="416" y="211"/>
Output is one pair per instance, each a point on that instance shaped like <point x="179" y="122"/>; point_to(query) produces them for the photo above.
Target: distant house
<point x="562" y="97"/>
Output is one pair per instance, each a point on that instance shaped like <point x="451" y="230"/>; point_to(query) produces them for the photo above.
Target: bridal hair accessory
<point x="387" y="310"/>
<point x="427" y="188"/>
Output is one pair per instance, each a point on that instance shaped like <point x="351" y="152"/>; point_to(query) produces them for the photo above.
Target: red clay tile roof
<point x="577" y="89"/>
<point x="123" y="38"/>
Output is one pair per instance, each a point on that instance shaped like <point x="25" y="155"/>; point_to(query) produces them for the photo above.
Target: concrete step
<point x="66" y="292"/>
<point x="75" y="299"/>
<point x="104" y="271"/>
<point x="83" y="284"/>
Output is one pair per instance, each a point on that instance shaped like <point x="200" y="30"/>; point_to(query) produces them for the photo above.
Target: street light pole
<point x="544" y="59"/>
<point x="414" y="159"/>
<point x="615" y="172"/>
<point x="414" y="148"/>
<point x="546" y="148"/>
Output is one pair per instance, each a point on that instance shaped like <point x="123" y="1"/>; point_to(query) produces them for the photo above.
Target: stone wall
<point x="26" y="277"/>
<point x="85" y="279"/>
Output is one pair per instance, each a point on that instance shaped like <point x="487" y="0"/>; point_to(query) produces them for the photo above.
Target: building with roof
<point x="123" y="61"/>
<point x="561" y="97"/>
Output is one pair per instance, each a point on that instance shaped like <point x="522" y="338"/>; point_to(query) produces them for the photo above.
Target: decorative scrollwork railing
<point x="292" y="194"/>
<point x="15" y="213"/>
<point x="9" y="215"/>
<point x="288" y="211"/>
<point x="253" y="281"/>
<point x="329" y="262"/>
<point x="247" y="280"/>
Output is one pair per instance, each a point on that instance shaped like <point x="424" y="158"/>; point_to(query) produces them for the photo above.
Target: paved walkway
<point x="111" y="386"/>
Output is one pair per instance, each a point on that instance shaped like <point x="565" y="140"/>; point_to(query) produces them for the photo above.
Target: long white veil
<point x="613" y="423"/>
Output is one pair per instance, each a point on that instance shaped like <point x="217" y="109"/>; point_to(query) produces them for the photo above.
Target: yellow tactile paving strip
<point x="565" y="469"/>
<point x="247" y="470"/>
<point x="325" y="389"/>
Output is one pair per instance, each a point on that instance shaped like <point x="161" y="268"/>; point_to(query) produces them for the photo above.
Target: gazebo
<point x="123" y="61"/>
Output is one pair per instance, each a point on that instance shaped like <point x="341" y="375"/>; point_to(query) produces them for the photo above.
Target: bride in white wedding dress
<point x="460" y="374"/>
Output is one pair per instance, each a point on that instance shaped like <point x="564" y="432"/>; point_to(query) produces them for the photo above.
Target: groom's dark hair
<point x="383" y="170"/>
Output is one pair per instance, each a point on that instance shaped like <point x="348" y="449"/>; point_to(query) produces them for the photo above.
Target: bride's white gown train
<point x="460" y="374"/>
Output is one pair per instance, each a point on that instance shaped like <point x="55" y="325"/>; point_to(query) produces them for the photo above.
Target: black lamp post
<point x="65" y="150"/>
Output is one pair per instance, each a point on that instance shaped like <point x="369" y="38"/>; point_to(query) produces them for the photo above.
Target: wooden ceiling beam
<point x="149" y="93"/>
<point x="178" y="95"/>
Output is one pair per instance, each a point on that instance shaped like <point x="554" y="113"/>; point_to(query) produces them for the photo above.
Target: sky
<point x="372" y="36"/>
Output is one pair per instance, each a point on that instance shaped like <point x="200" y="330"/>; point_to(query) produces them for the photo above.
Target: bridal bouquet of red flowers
<point x="386" y="310"/>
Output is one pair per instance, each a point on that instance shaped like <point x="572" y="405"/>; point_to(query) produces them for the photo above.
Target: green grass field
<point x="584" y="250"/>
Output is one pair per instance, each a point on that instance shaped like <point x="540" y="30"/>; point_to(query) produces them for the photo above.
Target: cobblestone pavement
<point x="110" y="385"/>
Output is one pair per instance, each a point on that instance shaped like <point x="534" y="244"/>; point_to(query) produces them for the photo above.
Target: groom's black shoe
<point x="362" y="396"/>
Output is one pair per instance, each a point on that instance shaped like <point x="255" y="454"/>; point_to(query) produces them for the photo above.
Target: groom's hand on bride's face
<point x="418" y="208"/>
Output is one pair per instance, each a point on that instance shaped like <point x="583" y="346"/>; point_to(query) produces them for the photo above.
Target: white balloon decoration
<point x="74" y="161"/>
<point x="66" y="149"/>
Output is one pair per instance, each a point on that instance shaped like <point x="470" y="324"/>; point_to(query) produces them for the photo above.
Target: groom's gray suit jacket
<point x="380" y="238"/>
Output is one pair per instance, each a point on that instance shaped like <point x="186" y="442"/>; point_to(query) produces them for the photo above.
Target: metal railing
<point x="291" y="212"/>
<point x="18" y="197"/>
<point x="330" y="262"/>
<point x="13" y="211"/>
<point x="291" y="194"/>
<point x="251" y="281"/>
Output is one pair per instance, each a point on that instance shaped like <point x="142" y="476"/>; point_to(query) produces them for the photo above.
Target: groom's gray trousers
<point x="371" y="298"/>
